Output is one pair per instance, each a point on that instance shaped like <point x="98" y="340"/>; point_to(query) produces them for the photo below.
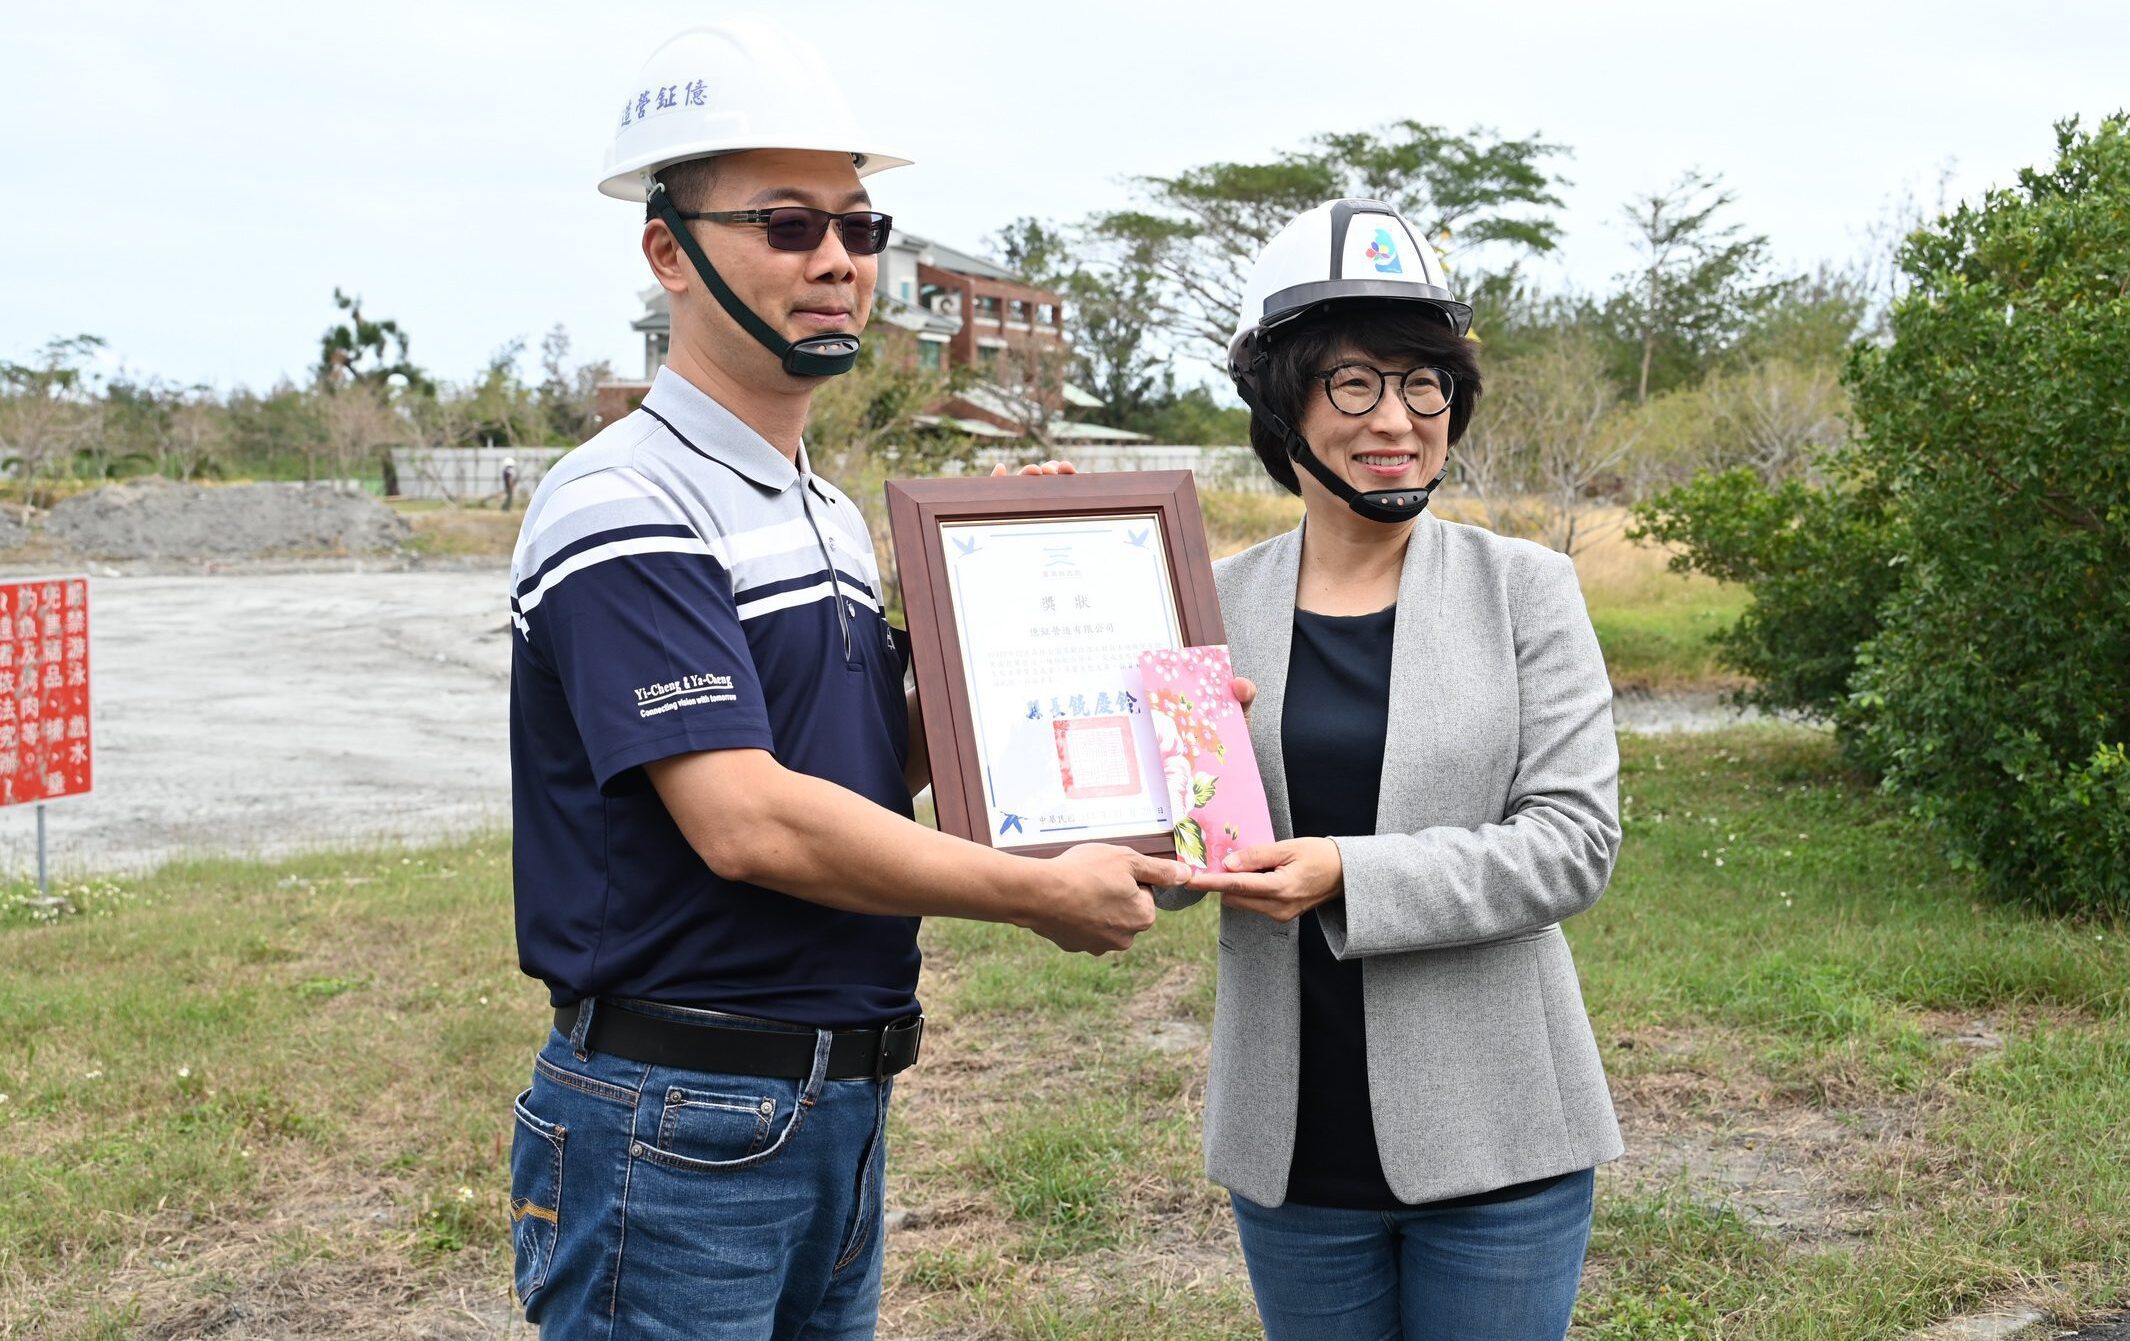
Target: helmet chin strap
<point x="815" y="356"/>
<point x="1378" y="505"/>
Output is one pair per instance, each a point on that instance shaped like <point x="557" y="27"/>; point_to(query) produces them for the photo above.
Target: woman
<point x="1406" y="1101"/>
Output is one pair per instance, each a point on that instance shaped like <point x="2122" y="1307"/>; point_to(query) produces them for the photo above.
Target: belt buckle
<point x="888" y="1034"/>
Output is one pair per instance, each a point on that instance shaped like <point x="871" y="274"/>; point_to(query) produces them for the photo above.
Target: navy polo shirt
<point x="680" y="585"/>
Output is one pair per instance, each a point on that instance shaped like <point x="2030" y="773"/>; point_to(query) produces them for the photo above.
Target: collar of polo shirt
<point x="719" y="434"/>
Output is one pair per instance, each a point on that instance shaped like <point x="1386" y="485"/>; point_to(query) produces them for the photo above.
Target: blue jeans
<point x="1502" y="1272"/>
<point x="649" y="1202"/>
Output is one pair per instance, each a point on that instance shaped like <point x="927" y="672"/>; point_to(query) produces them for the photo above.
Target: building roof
<point x="975" y="428"/>
<point x="912" y="316"/>
<point x="657" y="311"/>
<point x="961" y="262"/>
<point x="1061" y="431"/>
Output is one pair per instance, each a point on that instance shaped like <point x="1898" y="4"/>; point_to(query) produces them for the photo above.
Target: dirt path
<point x="272" y="713"/>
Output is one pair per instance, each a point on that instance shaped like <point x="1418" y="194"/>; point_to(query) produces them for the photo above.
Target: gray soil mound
<point x="13" y="534"/>
<point x="156" y="519"/>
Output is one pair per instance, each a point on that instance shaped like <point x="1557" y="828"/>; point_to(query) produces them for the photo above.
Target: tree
<point x="48" y="410"/>
<point x="1549" y="437"/>
<point x="1997" y="696"/>
<point x="1042" y="253"/>
<point x="1809" y="320"/>
<point x="362" y="350"/>
<point x="498" y="409"/>
<point x="1108" y="285"/>
<point x="273" y="432"/>
<point x="355" y="353"/>
<point x="200" y="436"/>
<point x="1196" y="418"/>
<point x="1697" y="290"/>
<point x="1821" y="561"/>
<point x="1027" y="378"/>
<point x="1200" y="230"/>
<point x="135" y="426"/>
<point x="1952" y="595"/>
<point x="359" y="427"/>
<point x="1775" y="418"/>
<point x="568" y="399"/>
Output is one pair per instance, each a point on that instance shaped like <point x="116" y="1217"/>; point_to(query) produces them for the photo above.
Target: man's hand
<point x="1101" y="901"/>
<point x="1047" y="468"/>
<point x="1245" y="694"/>
<point x="1280" y="880"/>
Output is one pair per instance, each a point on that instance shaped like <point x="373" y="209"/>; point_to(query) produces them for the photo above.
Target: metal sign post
<point x="46" y="749"/>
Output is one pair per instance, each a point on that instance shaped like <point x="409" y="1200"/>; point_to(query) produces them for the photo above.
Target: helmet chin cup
<point x="821" y="355"/>
<point x="1391" y="505"/>
<point x="1377" y="505"/>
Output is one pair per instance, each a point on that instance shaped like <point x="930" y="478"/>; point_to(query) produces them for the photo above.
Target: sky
<point x="191" y="182"/>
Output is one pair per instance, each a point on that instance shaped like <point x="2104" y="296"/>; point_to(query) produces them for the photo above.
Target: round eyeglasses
<point x="1357" y="388"/>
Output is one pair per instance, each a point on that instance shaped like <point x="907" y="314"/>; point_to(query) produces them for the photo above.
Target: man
<point x="713" y="761"/>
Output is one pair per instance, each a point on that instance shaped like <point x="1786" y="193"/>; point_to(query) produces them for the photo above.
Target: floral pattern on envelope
<point x="1210" y="770"/>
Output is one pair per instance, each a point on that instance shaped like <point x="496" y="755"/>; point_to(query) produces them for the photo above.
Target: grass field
<point x="273" y="1100"/>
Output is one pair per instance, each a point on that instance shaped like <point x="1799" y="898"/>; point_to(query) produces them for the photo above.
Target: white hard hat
<point x="740" y="84"/>
<point x="1339" y="251"/>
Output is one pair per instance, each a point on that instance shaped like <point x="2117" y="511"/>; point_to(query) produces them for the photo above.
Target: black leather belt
<point x="705" y="1045"/>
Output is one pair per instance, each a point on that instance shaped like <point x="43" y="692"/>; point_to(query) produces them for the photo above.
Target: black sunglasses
<point x="801" y="227"/>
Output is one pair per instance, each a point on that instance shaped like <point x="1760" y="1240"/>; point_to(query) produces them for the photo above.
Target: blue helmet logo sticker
<point x="1384" y="253"/>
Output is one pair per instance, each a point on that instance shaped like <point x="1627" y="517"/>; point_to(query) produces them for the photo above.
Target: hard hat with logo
<point x="718" y="89"/>
<point x="721" y="89"/>
<point x="1342" y="251"/>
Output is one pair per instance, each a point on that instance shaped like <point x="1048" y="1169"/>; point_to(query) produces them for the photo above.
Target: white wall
<point x="461" y="474"/>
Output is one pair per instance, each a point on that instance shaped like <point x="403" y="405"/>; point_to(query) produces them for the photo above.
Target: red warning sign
<point x="45" y="749"/>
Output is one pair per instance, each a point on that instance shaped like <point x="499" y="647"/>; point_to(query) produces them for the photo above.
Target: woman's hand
<point x="1280" y="880"/>
<point x="1047" y="468"/>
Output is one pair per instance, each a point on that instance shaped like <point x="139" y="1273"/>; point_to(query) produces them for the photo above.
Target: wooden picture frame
<point x="920" y="514"/>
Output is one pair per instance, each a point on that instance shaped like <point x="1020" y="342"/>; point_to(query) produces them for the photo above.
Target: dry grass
<point x="447" y="530"/>
<point x="243" y="1100"/>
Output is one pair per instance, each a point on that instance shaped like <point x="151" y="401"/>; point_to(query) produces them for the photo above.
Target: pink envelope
<point x="1215" y="791"/>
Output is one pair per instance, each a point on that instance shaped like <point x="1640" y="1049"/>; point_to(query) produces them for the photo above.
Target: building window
<point x="928" y="354"/>
<point x="987" y="306"/>
<point x="1020" y="310"/>
<point x="905" y="290"/>
<point x="1046" y="314"/>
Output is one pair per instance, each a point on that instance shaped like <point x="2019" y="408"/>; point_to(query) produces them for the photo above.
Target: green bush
<point x="1820" y="563"/>
<point x="1998" y="693"/>
<point x="1956" y="595"/>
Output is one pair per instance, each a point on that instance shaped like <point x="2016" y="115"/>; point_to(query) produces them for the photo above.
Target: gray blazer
<point x="1498" y="818"/>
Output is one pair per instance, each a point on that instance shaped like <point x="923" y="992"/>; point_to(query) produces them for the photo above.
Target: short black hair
<point x="688" y="184"/>
<point x="1398" y="334"/>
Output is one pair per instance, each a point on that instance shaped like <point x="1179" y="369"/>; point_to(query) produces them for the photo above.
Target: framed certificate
<point x="1029" y="600"/>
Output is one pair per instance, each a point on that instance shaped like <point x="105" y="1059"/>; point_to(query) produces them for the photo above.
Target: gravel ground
<point x="155" y="519"/>
<point x="266" y="714"/>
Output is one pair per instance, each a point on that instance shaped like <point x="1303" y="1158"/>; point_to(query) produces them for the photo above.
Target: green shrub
<point x="1956" y="595"/>
<point x="1998" y="693"/>
<point x="1820" y="563"/>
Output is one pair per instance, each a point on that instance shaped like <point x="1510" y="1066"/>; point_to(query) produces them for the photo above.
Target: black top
<point x="1331" y="738"/>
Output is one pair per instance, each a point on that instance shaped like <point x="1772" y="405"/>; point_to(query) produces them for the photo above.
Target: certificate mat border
<point x="917" y="513"/>
<point x="1171" y="617"/>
